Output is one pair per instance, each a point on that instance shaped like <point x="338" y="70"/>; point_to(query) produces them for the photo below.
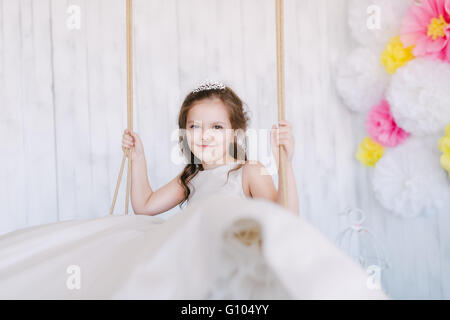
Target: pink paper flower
<point x="382" y="128"/>
<point x="427" y="26"/>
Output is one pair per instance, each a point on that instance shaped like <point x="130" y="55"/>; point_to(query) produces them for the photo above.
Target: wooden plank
<point x="106" y="71"/>
<point x="12" y="184"/>
<point x="72" y="112"/>
<point x="28" y="181"/>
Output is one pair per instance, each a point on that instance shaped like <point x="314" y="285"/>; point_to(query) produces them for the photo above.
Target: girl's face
<point x="209" y="131"/>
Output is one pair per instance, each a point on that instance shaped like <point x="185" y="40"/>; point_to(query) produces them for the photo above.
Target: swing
<point x="282" y="179"/>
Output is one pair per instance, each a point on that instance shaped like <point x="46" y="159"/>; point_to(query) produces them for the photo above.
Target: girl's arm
<point x="283" y="136"/>
<point x="260" y="182"/>
<point x="143" y="199"/>
<point x="291" y="190"/>
<point x="149" y="202"/>
<point x="140" y="187"/>
<point x="262" y="186"/>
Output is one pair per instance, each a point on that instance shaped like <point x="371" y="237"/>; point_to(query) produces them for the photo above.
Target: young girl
<point x="212" y="120"/>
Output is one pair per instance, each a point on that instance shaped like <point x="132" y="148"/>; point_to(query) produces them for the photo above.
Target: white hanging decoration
<point x="361" y="80"/>
<point x="419" y="95"/>
<point x="409" y="181"/>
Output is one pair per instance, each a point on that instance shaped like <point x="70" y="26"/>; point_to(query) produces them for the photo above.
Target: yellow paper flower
<point x="369" y="152"/>
<point x="396" y="55"/>
<point x="445" y="162"/>
<point x="444" y="146"/>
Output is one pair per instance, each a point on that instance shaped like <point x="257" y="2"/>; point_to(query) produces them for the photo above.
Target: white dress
<point x="196" y="254"/>
<point x="214" y="181"/>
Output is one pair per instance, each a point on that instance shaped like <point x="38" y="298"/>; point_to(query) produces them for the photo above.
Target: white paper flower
<point x="409" y="181"/>
<point x="361" y="80"/>
<point x="419" y="94"/>
<point x="364" y="15"/>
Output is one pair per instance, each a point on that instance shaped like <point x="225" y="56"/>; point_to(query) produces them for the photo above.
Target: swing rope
<point x="282" y="174"/>
<point x="129" y="24"/>
<point x="282" y="181"/>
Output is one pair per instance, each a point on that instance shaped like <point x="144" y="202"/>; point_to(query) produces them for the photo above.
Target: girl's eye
<point x="217" y="126"/>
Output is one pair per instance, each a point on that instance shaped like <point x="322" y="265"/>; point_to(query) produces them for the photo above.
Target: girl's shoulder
<point x="253" y="171"/>
<point x="257" y="180"/>
<point x="252" y="167"/>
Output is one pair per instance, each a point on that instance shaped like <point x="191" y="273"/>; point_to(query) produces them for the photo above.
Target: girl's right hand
<point x="130" y="140"/>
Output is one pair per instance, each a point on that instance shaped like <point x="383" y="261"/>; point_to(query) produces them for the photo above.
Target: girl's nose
<point x="206" y="135"/>
<point x="206" y="140"/>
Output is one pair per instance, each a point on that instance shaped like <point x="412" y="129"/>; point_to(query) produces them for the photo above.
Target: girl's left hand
<point x="282" y="136"/>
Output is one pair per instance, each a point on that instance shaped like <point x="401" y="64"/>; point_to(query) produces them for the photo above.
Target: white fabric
<point x="214" y="181"/>
<point x="193" y="255"/>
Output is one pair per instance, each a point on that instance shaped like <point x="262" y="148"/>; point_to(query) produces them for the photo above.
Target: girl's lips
<point x="204" y="145"/>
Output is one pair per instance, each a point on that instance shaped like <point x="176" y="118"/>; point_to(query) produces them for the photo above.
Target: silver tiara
<point x="209" y="85"/>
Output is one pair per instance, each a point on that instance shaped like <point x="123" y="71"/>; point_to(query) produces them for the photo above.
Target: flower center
<point x="436" y="29"/>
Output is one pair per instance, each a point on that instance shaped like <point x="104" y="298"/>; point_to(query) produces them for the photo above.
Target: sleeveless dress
<point x="214" y="182"/>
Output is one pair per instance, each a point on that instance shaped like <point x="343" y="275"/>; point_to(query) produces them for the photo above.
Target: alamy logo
<point x="73" y="22"/>
<point x="374" y="280"/>
<point x="73" y="282"/>
<point x="374" y="19"/>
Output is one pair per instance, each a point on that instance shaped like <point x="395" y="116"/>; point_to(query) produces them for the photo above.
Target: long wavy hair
<point x="239" y="120"/>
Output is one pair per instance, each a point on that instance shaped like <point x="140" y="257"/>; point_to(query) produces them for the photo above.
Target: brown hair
<point x="238" y="119"/>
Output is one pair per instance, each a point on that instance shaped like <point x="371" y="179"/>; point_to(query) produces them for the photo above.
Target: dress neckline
<point x="222" y="166"/>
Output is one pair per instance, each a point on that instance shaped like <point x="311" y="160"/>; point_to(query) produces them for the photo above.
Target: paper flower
<point x="419" y="96"/>
<point x="396" y="55"/>
<point x="445" y="162"/>
<point x="382" y="128"/>
<point x="374" y="22"/>
<point x="369" y="152"/>
<point x="409" y="181"/>
<point x="427" y="26"/>
<point x="444" y="146"/>
<point x="361" y="80"/>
